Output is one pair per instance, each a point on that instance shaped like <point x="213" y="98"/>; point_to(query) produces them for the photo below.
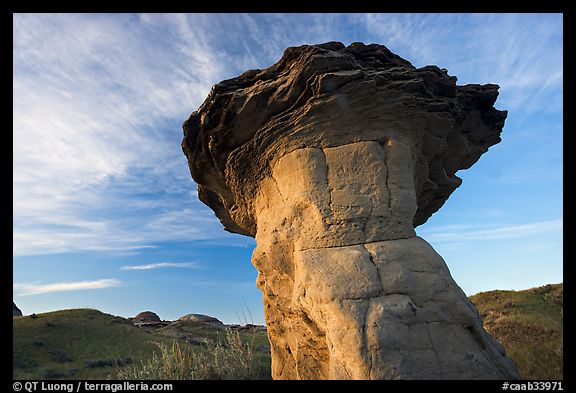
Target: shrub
<point x="120" y="362"/>
<point x="231" y="359"/>
<point x="59" y="356"/>
<point x="24" y="364"/>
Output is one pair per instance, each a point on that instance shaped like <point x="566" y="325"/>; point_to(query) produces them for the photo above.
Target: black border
<point x="553" y="6"/>
<point x="334" y="6"/>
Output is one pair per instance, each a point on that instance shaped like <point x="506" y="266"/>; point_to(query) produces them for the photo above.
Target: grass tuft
<point x="227" y="359"/>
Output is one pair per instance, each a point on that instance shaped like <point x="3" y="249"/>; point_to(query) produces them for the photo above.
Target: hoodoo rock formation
<point x="330" y="158"/>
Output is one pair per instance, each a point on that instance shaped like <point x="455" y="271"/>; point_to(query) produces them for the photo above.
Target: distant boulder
<point x="201" y="318"/>
<point x="147" y="316"/>
<point x="16" y="311"/>
<point x="148" y="321"/>
<point x="248" y="328"/>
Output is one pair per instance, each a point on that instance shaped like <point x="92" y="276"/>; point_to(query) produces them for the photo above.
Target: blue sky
<point x="105" y="211"/>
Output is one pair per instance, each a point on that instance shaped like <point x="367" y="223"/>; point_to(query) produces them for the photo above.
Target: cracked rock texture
<point x="330" y="158"/>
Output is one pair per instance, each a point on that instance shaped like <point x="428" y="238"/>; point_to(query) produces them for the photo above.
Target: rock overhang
<point x="329" y="95"/>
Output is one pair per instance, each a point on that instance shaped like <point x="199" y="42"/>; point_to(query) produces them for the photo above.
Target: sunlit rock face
<point x="330" y="158"/>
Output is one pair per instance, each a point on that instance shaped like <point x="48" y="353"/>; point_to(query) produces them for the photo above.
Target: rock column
<point x="349" y="291"/>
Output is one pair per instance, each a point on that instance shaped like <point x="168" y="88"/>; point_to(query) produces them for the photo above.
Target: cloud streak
<point x="469" y="233"/>
<point x="163" y="265"/>
<point x="522" y="53"/>
<point x="98" y="106"/>
<point x="27" y="289"/>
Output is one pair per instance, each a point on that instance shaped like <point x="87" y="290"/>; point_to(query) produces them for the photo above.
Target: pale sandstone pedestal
<point x="349" y="291"/>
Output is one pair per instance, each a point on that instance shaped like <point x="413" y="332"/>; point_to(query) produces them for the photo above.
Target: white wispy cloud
<point x="98" y="106"/>
<point x="26" y="289"/>
<point x="162" y="265"/>
<point x="523" y="53"/>
<point x="470" y="232"/>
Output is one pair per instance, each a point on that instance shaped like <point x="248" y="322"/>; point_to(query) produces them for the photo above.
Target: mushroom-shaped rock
<point x="147" y="316"/>
<point x="330" y="158"/>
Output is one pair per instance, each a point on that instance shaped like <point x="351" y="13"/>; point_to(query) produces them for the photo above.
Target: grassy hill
<point x="76" y="344"/>
<point x="529" y="325"/>
<point x="88" y="344"/>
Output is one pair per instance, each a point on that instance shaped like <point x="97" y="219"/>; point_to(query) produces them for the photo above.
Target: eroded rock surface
<point x="330" y="158"/>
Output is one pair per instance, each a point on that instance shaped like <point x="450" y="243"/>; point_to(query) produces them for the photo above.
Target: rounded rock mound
<point x="200" y="318"/>
<point x="147" y="316"/>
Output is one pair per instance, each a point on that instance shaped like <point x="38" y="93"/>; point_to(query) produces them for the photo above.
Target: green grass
<point x="529" y="325"/>
<point x="230" y="357"/>
<point x="78" y="344"/>
<point x="88" y="344"/>
<point x="194" y="332"/>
